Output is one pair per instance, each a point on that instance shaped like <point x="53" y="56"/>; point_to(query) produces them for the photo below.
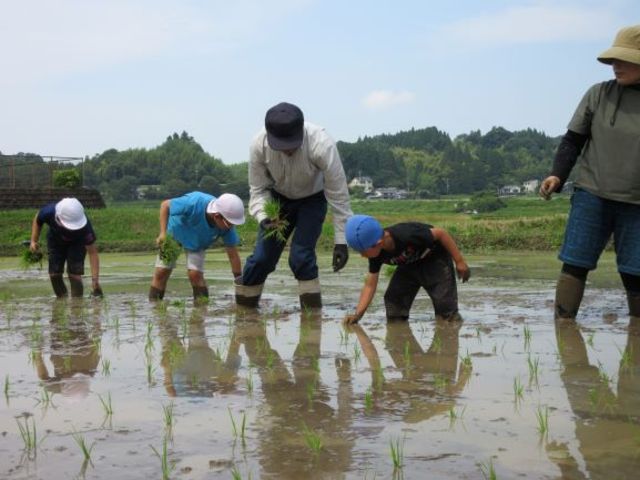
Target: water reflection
<point x="299" y="400"/>
<point x="191" y="366"/>
<point x="431" y="380"/>
<point x="607" y="426"/>
<point x="74" y="350"/>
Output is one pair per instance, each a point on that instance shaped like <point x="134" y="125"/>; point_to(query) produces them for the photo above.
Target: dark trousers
<point x="435" y="274"/>
<point x="305" y="217"/>
<point x="71" y="253"/>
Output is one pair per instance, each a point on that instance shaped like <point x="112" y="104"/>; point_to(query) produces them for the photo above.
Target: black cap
<point x="285" y="126"/>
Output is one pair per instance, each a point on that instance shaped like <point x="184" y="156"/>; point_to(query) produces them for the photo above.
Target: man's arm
<point x="94" y="264"/>
<point x="566" y="156"/>
<point x="234" y="261"/>
<point x="35" y="234"/>
<point x="259" y="180"/>
<point x="366" y="296"/>
<point x="164" y="220"/>
<point x="442" y="236"/>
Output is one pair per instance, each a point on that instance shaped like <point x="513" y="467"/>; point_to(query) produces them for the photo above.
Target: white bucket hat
<point x="70" y="214"/>
<point x="230" y="206"/>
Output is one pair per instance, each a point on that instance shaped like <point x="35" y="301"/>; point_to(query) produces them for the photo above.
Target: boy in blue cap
<point x="423" y="255"/>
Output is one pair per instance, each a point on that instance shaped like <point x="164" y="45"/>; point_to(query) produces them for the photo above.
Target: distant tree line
<point x="427" y="162"/>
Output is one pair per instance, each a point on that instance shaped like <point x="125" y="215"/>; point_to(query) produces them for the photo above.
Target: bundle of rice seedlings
<point x="169" y="250"/>
<point x="272" y="209"/>
<point x="29" y="259"/>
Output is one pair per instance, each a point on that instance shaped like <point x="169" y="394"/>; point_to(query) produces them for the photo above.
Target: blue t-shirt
<point x="189" y="226"/>
<point x="58" y="234"/>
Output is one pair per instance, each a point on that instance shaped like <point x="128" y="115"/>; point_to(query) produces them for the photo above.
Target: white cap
<point x="70" y="214"/>
<point x="230" y="206"/>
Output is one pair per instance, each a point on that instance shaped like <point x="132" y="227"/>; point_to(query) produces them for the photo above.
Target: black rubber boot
<point x="59" y="288"/>
<point x="633" y="300"/>
<point x="569" y="292"/>
<point x="310" y="300"/>
<point x="248" y="296"/>
<point x="155" y="294"/>
<point x="77" y="289"/>
<point x="200" y="294"/>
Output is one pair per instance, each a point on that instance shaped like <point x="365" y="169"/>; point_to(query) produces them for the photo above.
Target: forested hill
<point x="177" y="166"/>
<point x="428" y="162"/>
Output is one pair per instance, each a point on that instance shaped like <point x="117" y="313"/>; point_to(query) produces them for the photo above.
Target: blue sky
<point x="81" y="76"/>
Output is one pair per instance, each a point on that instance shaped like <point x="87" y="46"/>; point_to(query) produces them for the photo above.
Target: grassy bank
<point x="527" y="223"/>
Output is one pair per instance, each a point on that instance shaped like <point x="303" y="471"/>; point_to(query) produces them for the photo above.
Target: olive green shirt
<point x="609" y="165"/>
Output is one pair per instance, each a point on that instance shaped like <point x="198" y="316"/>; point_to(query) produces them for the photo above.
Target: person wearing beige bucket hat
<point x="603" y="143"/>
<point x="196" y="220"/>
<point x="69" y="239"/>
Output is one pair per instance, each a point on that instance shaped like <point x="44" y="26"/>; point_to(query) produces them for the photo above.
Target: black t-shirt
<point x="413" y="242"/>
<point x="59" y="235"/>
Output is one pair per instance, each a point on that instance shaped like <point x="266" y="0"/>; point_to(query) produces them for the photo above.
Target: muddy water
<point x="457" y="398"/>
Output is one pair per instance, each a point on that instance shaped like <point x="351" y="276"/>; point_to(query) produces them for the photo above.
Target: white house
<point x="510" y="190"/>
<point x="531" y="186"/>
<point x="363" y="182"/>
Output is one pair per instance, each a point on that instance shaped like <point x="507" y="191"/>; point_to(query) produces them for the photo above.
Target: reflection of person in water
<point x="430" y="377"/>
<point x="298" y="399"/>
<point x="606" y="425"/>
<point x="74" y="351"/>
<point x="191" y="367"/>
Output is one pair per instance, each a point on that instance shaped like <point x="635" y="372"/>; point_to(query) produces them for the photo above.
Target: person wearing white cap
<point x="195" y="221"/>
<point x="603" y="143"/>
<point x="69" y="239"/>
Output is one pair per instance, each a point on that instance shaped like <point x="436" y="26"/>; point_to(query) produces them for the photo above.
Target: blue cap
<point x="362" y="232"/>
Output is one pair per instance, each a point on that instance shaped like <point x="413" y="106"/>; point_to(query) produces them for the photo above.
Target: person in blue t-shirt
<point x="69" y="239"/>
<point x="196" y="220"/>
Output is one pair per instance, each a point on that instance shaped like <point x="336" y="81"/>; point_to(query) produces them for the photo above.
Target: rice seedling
<point x="533" y="369"/>
<point x="406" y="355"/>
<point x="235" y="473"/>
<point x="106" y="367"/>
<point x="527" y="338"/>
<point x="466" y="363"/>
<point x="344" y="337"/>
<point x="106" y="404"/>
<point x="455" y="415"/>
<point x="30" y="259"/>
<point x="29" y="434"/>
<point x="312" y="439"/>
<point x="542" y="415"/>
<point x="45" y="399"/>
<point x="249" y="382"/>
<point x="605" y="378"/>
<point x="593" y="398"/>
<point x="84" y="448"/>
<point x="436" y="344"/>
<point x="378" y="377"/>
<point x="238" y="432"/>
<point x="368" y="400"/>
<point x="518" y="389"/>
<point x="169" y="250"/>
<point x="590" y="339"/>
<point x="167" y="412"/>
<point x="315" y="364"/>
<point x="626" y="357"/>
<point x="311" y="390"/>
<point x="488" y="471"/>
<point x="396" y="450"/>
<point x="7" y="387"/>
<point x="272" y="208"/>
<point x="271" y="356"/>
<point x="36" y="333"/>
<point x="150" y="370"/>
<point x="440" y="382"/>
<point x="164" y="459"/>
<point x="357" y="353"/>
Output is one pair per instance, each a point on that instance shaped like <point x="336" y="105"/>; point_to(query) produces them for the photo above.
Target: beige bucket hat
<point x="625" y="47"/>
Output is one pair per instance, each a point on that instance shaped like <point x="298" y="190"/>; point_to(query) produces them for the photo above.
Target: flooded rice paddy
<point x="120" y="388"/>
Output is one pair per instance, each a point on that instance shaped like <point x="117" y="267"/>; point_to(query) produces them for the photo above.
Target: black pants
<point x="435" y="274"/>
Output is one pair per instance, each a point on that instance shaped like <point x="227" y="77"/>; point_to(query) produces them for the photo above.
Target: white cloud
<point x="537" y="23"/>
<point x="383" y="99"/>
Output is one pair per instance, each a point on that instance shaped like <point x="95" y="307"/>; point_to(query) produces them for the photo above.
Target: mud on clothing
<point x="422" y="262"/>
<point x="65" y="245"/>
